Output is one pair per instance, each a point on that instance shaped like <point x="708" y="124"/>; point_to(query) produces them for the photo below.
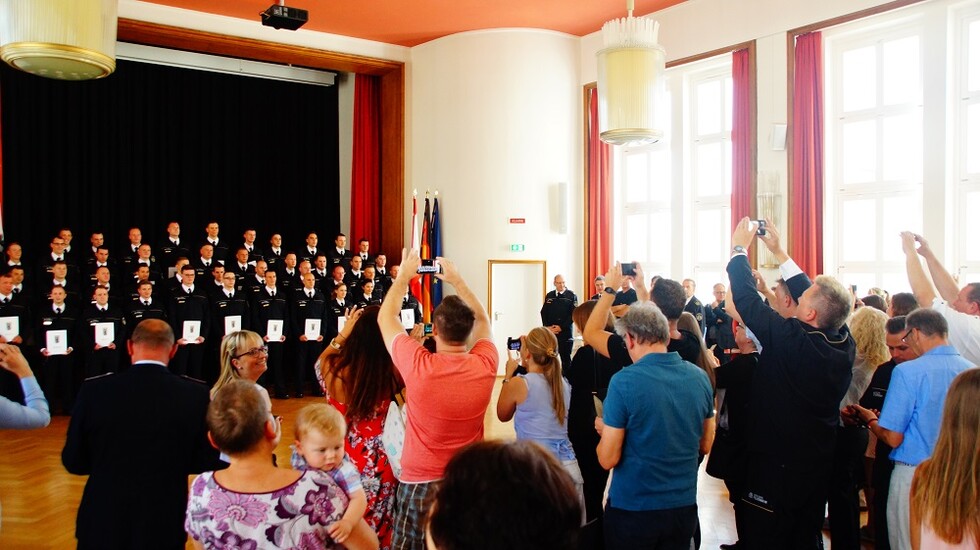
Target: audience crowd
<point x="800" y="394"/>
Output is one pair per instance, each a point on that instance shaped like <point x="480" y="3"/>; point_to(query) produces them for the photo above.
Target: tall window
<point x="967" y="131"/>
<point x="674" y="196"/>
<point x="891" y="125"/>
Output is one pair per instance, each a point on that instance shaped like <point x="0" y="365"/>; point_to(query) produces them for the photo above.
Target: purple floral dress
<point x="295" y="517"/>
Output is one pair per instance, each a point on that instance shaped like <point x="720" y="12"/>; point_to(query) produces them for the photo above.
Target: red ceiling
<point x="412" y="22"/>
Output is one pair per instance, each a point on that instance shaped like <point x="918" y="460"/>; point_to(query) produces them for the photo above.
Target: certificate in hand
<point x="9" y="327"/>
<point x="408" y="318"/>
<point x="233" y="323"/>
<point x="274" y="330"/>
<point x="312" y="329"/>
<point x="105" y="333"/>
<point x="56" y="342"/>
<point x="341" y="321"/>
<point x="192" y="330"/>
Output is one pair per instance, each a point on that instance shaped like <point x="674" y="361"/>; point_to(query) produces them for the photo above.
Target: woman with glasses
<point x="359" y="379"/>
<point x="244" y="356"/>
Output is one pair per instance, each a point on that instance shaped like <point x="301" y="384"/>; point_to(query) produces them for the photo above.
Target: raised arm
<point x="481" y="327"/>
<point x="642" y="292"/>
<point x="595" y="333"/>
<point x="921" y="285"/>
<point x="944" y="282"/>
<point x="14" y="415"/>
<point x="772" y="242"/>
<point x="388" y="318"/>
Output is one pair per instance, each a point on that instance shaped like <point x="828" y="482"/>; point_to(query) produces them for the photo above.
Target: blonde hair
<point x="543" y="346"/>
<point x="234" y="343"/>
<point x="868" y="329"/>
<point x="322" y="418"/>
<point x="946" y="487"/>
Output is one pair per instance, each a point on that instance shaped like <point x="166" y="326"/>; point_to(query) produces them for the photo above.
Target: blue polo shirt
<point x="661" y="401"/>
<point x="914" y="402"/>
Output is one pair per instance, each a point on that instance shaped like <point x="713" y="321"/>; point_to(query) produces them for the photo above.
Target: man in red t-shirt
<point x="447" y="392"/>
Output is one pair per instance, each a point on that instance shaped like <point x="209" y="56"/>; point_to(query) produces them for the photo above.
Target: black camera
<point x="514" y="344"/>
<point x="762" y="227"/>
<point x="629" y="269"/>
<point x="428" y="265"/>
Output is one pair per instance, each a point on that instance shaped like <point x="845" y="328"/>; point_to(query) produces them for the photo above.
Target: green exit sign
<point x="517" y="248"/>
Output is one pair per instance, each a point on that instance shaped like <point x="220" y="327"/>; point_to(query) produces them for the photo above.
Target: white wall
<point x="495" y="125"/>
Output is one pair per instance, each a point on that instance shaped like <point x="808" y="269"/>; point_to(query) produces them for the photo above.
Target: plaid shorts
<point x="410" y="513"/>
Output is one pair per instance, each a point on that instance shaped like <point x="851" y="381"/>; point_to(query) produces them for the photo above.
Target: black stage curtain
<point x="152" y="143"/>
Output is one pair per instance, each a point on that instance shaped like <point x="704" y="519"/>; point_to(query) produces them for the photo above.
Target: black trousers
<point x="881" y="476"/>
<point x="189" y="360"/>
<point x="782" y="507"/>
<point x="101" y="361"/>
<point x="59" y="380"/>
<point x="669" y="529"/>
<point x="306" y="356"/>
<point x="843" y="508"/>
<point x="276" y="367"/>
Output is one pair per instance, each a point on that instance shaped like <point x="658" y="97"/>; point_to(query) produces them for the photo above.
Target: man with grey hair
<point x="909" y="420"/>
<point x="960" y="306"/>
<point x="658" y="418"/>
<point x="804" y="371"/>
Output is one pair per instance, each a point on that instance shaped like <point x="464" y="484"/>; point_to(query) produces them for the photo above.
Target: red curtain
<point x="742" y="167"/>
<point x="600" y="235"/>
<point x="806" y="166"/>
<point x="365" y="192"/>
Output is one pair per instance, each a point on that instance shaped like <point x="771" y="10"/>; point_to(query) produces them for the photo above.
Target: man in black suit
<point x="338" y="253"/>
<point x="556" y="316"/>
<point x="96" y="239"/>
<point x="308" y="305"/>
<point x="21" y="292"/>
<point x="45" y="266"/>
<point x="144" y="306"/>
<point x="189" y="307"/>
<point x="288" y="268"/>
<point x="363" y="250"/>
<point x="138" y="435"/>
<point x="172" y="247"/>
<point x="254" y="253"/>
<point x="101" y="344"/>
<point x="135" y="240"/>
<point x="240" y="266"/>
<point x="220" y="247"/>
<point x="99" y="258"/>
<point x="693" y="305"/>
<point x="275" y="253"/>
<point x="309" y="251"/>
<point x="202" y="264"/>
<point x="270" y="304"/>
<point x="381" y="276"/>
<point x="60" y="319"/>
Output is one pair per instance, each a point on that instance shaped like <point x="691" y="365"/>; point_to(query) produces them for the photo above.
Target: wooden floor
<point x="39" y="499"/>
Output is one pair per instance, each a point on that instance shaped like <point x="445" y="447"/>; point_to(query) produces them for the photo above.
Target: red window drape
<point x="365" y="200"/>
<point x="806" y="193"/>
<point x="742" y="166"/>
<point x="600" y="236"/>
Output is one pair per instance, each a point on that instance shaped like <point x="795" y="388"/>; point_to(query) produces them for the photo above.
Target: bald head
<point x="152" y="340"/>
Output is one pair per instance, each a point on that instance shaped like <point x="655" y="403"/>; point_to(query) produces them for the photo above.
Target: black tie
<point x="188" y="292"/>
<point x="16" y="290"/>
<point x="57" y="311"/>
<point x="273" y="293"/>
<point x="230" y="295"/>
<point x="146" y="303"/>
<point x="309" y="294"/>
<point x="207" y="264"/>
<point x="6" y="300"/>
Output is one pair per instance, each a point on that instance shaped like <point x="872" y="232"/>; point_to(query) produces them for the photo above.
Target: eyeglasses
<point x="253" y="352"/>
<point x="907" y="335"/>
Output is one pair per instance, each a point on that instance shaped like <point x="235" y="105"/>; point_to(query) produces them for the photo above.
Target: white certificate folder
<point x="192" y="330"/>
<point x="56" y="342"/>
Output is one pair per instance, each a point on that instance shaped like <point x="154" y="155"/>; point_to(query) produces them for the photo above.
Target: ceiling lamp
<point x="62" y="39"/>
<point x="631" y="66"/>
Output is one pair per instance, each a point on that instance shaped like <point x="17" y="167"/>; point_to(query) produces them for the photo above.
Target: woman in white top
<point x="538" y="401"/>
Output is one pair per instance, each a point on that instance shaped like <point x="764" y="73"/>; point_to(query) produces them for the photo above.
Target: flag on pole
<point x="415" y="285"/>
<point x="436" y="241"/>
<point x="426" y="253"/>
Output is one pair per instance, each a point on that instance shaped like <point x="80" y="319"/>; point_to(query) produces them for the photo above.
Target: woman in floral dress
<point x="252" y="504"/>
<point x="359" y="379"/>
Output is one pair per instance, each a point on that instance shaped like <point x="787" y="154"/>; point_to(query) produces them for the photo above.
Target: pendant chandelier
<point x="61" y="39"/>
<point x="630" y="80"/>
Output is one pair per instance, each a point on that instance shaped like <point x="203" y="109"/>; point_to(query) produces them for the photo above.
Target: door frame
<point x="491" y="263"/>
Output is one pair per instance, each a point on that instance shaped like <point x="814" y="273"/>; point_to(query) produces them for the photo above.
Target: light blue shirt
<point x="915" y="399"/>
<point x="535" y="418"/>
<point x="34" y="415"/>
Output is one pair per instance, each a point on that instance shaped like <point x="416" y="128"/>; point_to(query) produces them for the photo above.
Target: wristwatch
<point x="609" y="290"/>
<point x="738" y="249"/>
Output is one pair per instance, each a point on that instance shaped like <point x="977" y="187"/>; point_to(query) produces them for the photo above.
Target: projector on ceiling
<point x="281" y="16"/>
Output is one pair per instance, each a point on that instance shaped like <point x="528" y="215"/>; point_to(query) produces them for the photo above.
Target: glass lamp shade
<point x="61" y="39"/>
<point x="630" y="82"/>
